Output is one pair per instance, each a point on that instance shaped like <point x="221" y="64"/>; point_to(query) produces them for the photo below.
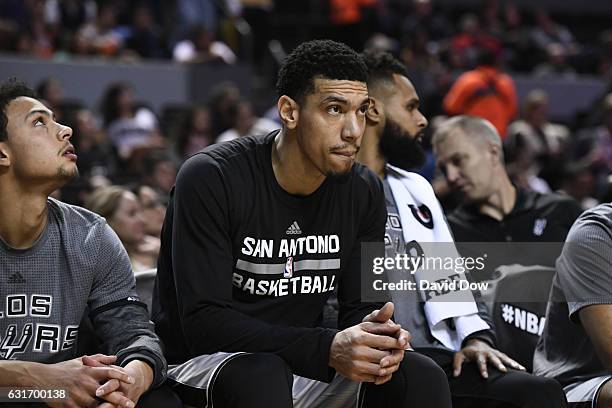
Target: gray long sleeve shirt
<point x="77" y="262"/>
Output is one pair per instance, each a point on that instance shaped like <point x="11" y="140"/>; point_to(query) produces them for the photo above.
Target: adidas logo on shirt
<point x="294" y="229"/>
<point x="16" y="278"/>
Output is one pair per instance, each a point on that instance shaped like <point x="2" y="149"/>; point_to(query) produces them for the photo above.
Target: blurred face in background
<point x="164" y="176"/>
<point x="128" y="221"/>
<point x="468" y="166"/>
<point x="153" y="210"/>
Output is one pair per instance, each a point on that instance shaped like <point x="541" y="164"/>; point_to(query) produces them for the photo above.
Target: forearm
<point x="19" y="373"/>
<point x="213" y="329"/>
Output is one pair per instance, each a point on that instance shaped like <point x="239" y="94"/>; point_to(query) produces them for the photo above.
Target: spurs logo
<point x="422" y="215"/>
<point x="11" y="345"/>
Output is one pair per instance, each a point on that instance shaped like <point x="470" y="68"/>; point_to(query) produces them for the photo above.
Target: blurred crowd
<point x="129" y="153"/>
<point x="424" y="34"/>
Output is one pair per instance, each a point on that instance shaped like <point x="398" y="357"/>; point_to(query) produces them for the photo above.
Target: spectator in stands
<point x="202" y="47"/>
<point x="194" y="132"/>
<point x="101" y="36"/>
<point x="594" y="145"/>
<point x="145" y="37"/>
<point x="391" y="146"/>
<point x="352" y="20"/>
<point x="159" y="172"/>
<point x="423" y="19"/>
<point x="97" y="155"/>
<point x="51" y="93"/>
<point x="534" y="146"/>
<point x="556" y="64"/>
<point x="60" y="259"/>
<point x="578" y="182"/>
<point x="123" y="213"/>
<point x="223" y="101"/>
<point x="546" y="32"/>
<point x="515" y="38"/>
<point x="604" y="64"/>
<point x="247" y="124"/>
<point x="575" y="347"/>
<point x="192" y="13"/>
<point x="485" y="92"/>
<point x="153" y="209"/>
<point x="466" y="45"/>
<point x="127" y="126"/>
<point x="469" y="154"/>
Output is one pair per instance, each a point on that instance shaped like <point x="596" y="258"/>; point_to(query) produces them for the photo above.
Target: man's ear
<point x="5" y="155"/>
<point x="496" y="152"/>
<point x="374" y="113"/>
<point x="288" y="110"/>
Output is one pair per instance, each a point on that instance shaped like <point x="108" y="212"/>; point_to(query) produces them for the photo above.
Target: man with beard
<point x="457" y="335"/>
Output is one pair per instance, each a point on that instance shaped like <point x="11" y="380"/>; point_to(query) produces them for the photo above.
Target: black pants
<point x="515" y="389"/>
<point x="265" y="380"/>
<point x="162" y="397"/>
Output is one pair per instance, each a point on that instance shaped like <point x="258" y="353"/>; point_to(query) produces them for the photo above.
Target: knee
<point x="246" y="369"/>
<point x="535" y="391"/>
<point x="422" y="369"/>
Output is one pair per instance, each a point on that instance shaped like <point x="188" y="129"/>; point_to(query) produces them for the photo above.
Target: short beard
<point x="400" y="148"/>
<point x="64" y="174"/>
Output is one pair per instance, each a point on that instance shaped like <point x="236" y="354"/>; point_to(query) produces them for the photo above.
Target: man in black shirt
<point x="259" y="232"/>
<point x="469" y="154"/>
<point x="524" y="230"/>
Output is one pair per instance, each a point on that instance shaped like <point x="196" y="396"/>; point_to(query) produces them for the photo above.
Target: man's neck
<point x="293" y="171"/>
<point x="500" y="203"/>
<point x="23" y="216"/>
<point x="369" y="154"/>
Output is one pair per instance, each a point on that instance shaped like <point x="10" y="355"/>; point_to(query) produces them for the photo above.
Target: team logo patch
<point x="422" y="215"/>
<point x="538" y="226"/>
<point x="288" y="272"/>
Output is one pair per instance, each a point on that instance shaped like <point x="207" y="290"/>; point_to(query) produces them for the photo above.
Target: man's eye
<point x="363" y="109"/>
<point x="39" y="122"/>
<point x="335" y="109"/>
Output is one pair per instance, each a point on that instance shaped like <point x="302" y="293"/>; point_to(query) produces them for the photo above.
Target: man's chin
<point x="68" y="173"/>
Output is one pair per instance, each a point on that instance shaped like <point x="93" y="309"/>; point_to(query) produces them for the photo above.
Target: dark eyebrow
<point x="413" y="101"/>
<point x="46" y="113"/>
<point x="335" y="98"/>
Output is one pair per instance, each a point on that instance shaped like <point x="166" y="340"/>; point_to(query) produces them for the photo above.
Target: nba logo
<point x="288" y="273"/>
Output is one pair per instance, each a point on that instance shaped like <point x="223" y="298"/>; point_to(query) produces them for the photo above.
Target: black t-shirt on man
<point x="254" y="265"/>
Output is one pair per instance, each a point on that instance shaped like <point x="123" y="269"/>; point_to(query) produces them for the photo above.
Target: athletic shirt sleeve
<point x="114" y="279"/>
<point x="371" y="229"/>
<point x="203" y="263"/>
<point x="584" y="268"/>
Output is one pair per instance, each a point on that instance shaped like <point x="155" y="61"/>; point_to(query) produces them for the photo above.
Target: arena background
<point x="193" y="70"/>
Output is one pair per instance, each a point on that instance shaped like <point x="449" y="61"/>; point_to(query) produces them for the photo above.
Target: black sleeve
<point x="371" y="229"/>
<point x="121" y="322"/>
<point x="203" y="266"/>
<point x="125" y="331"/>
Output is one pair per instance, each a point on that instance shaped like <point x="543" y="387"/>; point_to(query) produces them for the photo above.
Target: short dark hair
<point x="319" y="58"/>
<point x="11" y="89"/>
<point x="381" y="67"/>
